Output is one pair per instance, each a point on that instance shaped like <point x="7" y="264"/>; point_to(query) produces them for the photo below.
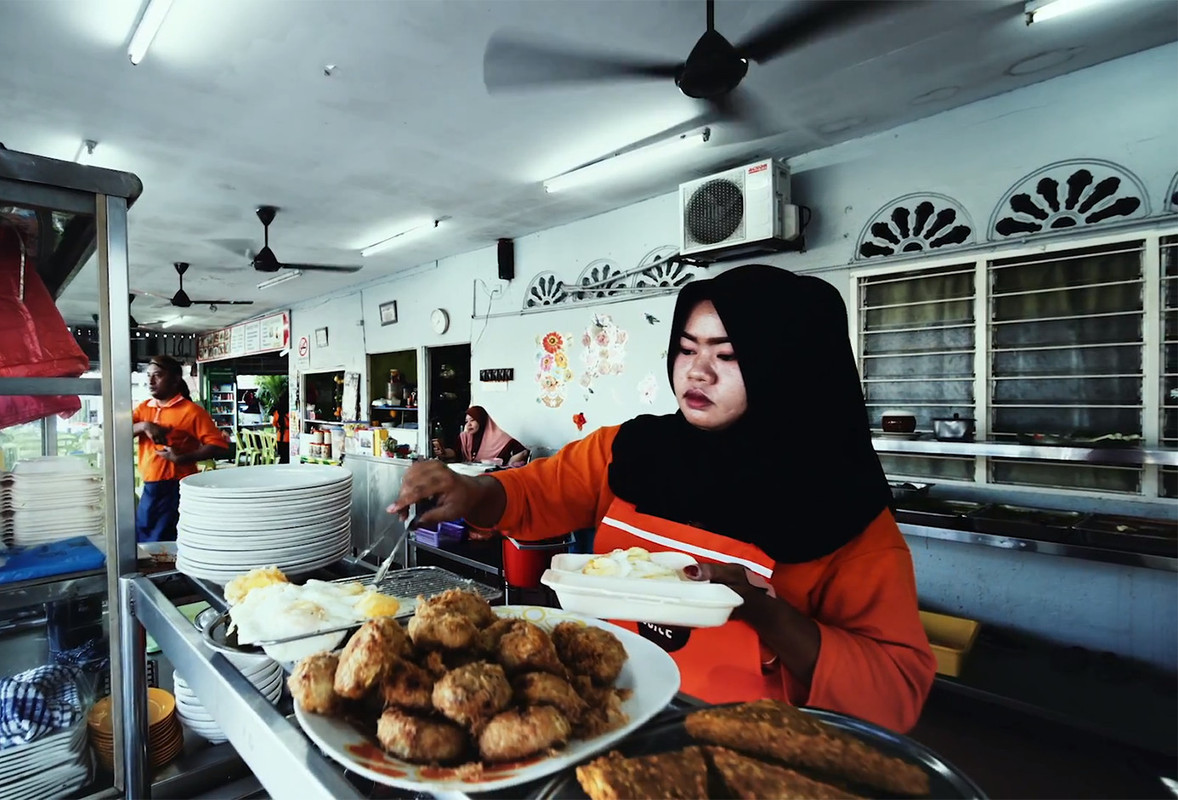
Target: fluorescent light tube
<point x="1043" y="10"/>
<point x="85" y="154"/>
<point x="625" y="160"/>
<point x="289" y="275"/>
<point x="397" y="239"/>
<point x="148" y="27"/>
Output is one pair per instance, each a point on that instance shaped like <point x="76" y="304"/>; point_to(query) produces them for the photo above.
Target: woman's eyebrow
<point x="705" y="340"/>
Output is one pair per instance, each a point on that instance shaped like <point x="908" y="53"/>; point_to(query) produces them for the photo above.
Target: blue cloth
<point x="36" y="703"/>
<point x="158" y="512"/>
<point x="75" y="554"/>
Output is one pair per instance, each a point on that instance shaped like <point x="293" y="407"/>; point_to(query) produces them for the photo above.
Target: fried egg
<point x="634" y="562"/>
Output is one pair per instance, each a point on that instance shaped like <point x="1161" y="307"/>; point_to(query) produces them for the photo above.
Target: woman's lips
<point x="696" y="400"/>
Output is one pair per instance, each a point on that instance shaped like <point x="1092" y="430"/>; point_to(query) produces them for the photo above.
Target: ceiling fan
<point x="265" y="260"/>
<point x="712" y="72"/>
<point x="181" y="299"/>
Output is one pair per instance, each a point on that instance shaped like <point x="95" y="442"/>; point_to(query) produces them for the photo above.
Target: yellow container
<point x="951" y="638"/>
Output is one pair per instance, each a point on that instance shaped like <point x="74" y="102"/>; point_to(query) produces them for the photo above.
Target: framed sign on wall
<point x="321" y="337"/>
<point x="388" y="312"/>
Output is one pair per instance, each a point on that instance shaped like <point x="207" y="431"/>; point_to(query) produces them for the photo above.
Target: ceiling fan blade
<point x="797" y="27"/>
<point x="741" y="107"/>
<point x="510" y="63"/>
<point x="322" y="267"/>
<point x="239" y="247"/>
<point x="222" y="302"/>
<point x="167" y="297"/>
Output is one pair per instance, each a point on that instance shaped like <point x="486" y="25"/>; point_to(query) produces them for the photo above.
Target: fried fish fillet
<point x="749" y="779"/>
<point x="777" y="730"/>
<point x="665" y="776"/>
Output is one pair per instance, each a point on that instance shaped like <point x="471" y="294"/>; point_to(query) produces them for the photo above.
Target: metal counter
<point x="1113" y="456"/>
<point x="375" y="484"/>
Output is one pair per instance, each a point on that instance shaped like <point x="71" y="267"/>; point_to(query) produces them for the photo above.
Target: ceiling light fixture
<point x="172" y="322"/>
<point x="85" y="154"/>
<point x="397" y="239"/>
<point x="1043" y="10"/>
<point x="146" y="29"/>
<point x="283" y="278"/>
<point x="622" y="160"/>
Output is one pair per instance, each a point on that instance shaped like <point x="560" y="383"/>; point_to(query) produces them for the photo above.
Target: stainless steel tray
<point x="405" y="585"/>
<point x="945" y="780"/>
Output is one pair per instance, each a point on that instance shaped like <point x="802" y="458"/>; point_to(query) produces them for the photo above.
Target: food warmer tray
<point x="937" y="513"/>
<point x="404" y="584"/>
<point x="1135" y="534"/>
<point x="945" y="780"/>
<point x="1027" y="523"/>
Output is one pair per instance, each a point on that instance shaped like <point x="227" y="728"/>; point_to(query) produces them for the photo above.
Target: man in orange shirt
<point x="768" y="478"/>
<point x="174" y="434"/>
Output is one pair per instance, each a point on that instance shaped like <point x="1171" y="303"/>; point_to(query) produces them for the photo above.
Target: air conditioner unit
<point x="739" y="212"/>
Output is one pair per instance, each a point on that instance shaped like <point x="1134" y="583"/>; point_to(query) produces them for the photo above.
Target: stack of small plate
<point x="52" y="766"/>
<point x="264" y="673"/>
<point x="51" y="498"/>
<point x="294" y="517"/>
<point x="165" y="737"/>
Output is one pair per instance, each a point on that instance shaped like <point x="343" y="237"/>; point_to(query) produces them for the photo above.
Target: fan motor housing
<point x="739" y="212"/>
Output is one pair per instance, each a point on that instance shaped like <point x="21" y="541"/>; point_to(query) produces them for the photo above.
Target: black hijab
<point x="796" y="475"/>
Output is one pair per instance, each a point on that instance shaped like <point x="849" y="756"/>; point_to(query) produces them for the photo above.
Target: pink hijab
<point x="492" y="438"/>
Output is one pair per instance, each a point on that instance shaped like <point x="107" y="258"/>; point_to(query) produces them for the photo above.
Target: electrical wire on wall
<point x="492" y="295"/>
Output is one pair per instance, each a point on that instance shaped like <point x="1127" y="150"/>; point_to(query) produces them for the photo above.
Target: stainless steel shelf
<point x="1146" y="560"/>
<point x="46" y="590"/>
<point x="51" y="386"/>
<point x="1114" y="456"/>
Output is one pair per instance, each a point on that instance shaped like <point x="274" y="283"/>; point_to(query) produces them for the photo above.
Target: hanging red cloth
<point x="34" y="339"/>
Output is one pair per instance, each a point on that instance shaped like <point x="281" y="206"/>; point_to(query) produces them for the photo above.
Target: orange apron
<point x="717" y="665"/>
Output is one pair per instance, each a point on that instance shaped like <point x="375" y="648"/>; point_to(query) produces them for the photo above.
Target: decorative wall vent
<point x="1171" y="203"/>
<point x="660" y="271"/>
<point x="915" y="223"/>
<point x="1069" y="194"/>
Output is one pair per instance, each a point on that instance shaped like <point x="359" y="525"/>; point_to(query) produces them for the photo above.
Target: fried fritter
<point x="311" y="683"/>
<point x="780" y="731"/>
<point x="603" y="708"/>
<point x="544" y="689"/>
<point x="665" y="776"/>
<point x="468" y="604"/>
<point x="591" y="651"/>
<point x="749" y="779"/>
<point x="433" y="627"/>
<point x="407" y="686"/>
<point x="516" y="734"/>
<point x="473" y="694"/>
<point x="489" y="636"/>
<point x="527" y="648"/>
<point x="367" y="656"/>
<point x="421" y="740"/>
<point x="431" y="662"/>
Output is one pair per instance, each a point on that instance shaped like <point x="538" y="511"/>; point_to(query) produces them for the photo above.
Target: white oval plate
<point x="649" y="672"/>
<point x="271" y="477"/>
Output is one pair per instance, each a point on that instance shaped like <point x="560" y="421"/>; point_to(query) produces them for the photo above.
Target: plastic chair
<point x="247" y="448"/>
<point x="267" y="446"/>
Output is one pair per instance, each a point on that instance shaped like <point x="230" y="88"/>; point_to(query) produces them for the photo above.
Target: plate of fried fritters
<point x="470" y="697"/>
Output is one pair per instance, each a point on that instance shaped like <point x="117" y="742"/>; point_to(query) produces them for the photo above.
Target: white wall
<point x="1124" y="111"/>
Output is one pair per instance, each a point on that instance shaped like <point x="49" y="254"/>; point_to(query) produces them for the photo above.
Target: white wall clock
<point x="440" y="319"/>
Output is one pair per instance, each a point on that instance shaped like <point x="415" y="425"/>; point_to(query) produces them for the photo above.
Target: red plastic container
<point x="525" y="562"/>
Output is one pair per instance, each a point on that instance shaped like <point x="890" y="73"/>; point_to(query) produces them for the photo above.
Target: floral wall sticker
<point x="552" y="368"/>
<point x="579" y="420"/>
<point x="648" y="389"/>
<point x="604" y="350"/>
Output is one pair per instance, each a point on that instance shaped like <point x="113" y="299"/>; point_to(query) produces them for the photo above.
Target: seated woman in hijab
<point x="482" y="440"/>
<point x="800" y="528"/>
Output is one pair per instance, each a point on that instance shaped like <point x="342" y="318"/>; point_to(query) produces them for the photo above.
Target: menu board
<point x="264" y="335"/>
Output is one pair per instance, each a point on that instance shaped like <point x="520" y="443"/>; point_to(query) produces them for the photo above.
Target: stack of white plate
<point x="51" y="498"/>
<point x="263" y="673"/>
<point x="52" y="766"/>
<point x="294" y="517"/>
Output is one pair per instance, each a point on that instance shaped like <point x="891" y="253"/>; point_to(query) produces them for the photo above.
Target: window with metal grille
<point x="1168" y="429"/>
<point x="916" y="353"/>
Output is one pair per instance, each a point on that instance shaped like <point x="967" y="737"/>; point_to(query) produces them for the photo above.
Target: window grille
<point x="1168" y="429"/>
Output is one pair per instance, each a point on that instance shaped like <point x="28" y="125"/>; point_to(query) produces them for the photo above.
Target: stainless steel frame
<point x="1112" y="456"/>
<point x="281" y="757"/>
<point x="61" y="185"/>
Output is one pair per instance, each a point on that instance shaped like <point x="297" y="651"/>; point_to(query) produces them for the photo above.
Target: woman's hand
<point x="480" y="501"/>
<point x="734" y="576"/>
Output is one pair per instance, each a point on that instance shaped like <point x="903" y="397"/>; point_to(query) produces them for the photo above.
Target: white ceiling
<point x="231" y="109"/>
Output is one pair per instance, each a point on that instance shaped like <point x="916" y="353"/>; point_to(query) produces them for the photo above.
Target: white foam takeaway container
<point x="691" y="604"/>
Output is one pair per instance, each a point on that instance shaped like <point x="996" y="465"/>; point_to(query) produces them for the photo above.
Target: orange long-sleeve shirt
<point x="874" y="661"/>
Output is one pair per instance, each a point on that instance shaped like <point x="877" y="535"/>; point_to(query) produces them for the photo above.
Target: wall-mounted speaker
<point x="506" y="259"/>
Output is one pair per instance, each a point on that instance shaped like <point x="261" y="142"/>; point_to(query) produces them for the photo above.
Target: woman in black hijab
<point x="766" y="475"/>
